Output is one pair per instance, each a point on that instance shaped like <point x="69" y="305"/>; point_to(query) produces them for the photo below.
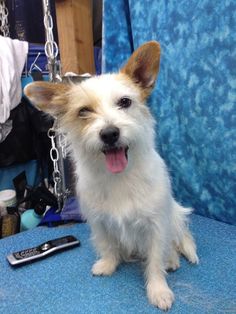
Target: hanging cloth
<point x="13" y="55"/>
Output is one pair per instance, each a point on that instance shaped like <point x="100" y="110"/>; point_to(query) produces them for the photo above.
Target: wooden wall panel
<point x="74" y="24"/>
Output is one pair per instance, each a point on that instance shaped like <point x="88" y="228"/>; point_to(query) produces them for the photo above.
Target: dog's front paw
<point x="104" y="267"/>
<point x="160" y="296"/>
<point x="173" y="263"/>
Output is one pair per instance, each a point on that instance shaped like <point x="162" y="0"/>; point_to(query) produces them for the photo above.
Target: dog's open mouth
<point x="116" y="158"/>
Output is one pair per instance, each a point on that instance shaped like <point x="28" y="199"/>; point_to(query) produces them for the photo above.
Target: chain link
<point x="4" y="26"/>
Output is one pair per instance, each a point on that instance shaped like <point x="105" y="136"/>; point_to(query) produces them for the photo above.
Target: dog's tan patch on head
<point x="127" y="81"/>
<point x="83" y="107"/>
<point x="70" y="104"/>
<point x="143" y="66"/>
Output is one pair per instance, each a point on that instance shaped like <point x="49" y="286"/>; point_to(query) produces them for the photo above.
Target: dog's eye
<point x="124" y="102"/>
<point x="83" y="112"/>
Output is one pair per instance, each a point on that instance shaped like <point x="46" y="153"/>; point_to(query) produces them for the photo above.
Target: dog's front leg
<point x="158" y="292"/>
<point x="108" y="251"/>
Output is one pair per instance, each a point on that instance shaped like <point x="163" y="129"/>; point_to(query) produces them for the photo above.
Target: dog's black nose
<point x="110" y="135"/>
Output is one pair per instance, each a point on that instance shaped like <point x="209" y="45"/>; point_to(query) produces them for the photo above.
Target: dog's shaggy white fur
<point x="123" y="183"/>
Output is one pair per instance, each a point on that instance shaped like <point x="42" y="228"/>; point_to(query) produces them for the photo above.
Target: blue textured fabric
<point x="63" y="283"/>
<point x="194" y="101"/>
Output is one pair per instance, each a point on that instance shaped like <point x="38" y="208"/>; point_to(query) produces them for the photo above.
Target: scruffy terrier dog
<point x="123" y="183"/>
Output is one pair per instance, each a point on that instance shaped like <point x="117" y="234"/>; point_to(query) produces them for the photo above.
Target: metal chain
<point x="57" y="178"/>
<point x="51" y="48"/>
<point x="58" y="141"/>
<point x="57" y="154"/>
<point x="4" y="26"/>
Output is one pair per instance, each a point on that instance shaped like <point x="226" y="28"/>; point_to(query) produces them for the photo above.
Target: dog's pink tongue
<point x="116" y="160"/>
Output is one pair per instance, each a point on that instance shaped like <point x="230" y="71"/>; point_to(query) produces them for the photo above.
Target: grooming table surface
<point x="63" y="283"/>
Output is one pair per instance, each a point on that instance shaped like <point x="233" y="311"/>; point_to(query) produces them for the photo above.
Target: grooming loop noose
<point x="58" y="140"/>
<point x="4" y="26"/>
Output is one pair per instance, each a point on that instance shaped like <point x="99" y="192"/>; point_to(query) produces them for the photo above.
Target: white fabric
<point x="13" y="55"/>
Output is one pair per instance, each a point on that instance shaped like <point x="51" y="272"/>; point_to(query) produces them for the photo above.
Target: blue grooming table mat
<point x="63" y="282"/>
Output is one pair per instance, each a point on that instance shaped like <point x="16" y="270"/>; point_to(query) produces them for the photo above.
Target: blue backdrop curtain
<point x="194" y="101"/>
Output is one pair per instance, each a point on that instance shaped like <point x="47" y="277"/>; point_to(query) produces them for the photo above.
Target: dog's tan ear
<point x="49" y="97"/>
<point x="143" y="66"/>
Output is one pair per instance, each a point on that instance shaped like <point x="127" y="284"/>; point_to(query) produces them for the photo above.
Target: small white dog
<point x="123" y="183"/>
